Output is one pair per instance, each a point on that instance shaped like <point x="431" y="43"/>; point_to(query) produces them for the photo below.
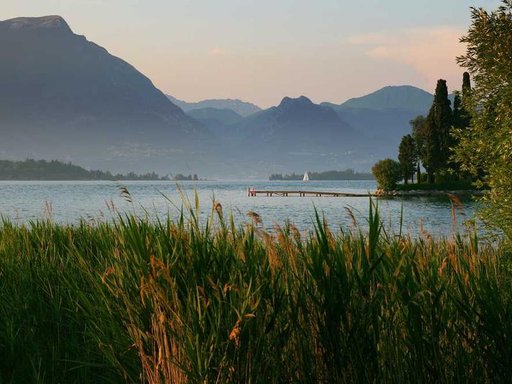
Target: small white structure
<point x="306" y="177"/>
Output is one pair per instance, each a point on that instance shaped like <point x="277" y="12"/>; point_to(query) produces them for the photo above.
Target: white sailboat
<point x="306" y="176"/>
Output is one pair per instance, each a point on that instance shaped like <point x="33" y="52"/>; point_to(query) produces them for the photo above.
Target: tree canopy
<point x="436" y="135"/>
<point x="30" y="169"/>
<point x="485" y="148"/>
<point x="407" y="156"/>
<point x="387" y="172"/>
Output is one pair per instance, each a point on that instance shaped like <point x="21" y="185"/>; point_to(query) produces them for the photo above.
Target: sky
<point x="263" y="50"/>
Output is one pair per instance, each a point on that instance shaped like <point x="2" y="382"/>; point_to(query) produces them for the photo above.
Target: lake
<point x="68" y="202"/>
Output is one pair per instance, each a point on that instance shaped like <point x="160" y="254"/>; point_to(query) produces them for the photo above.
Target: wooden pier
<point x="251" y="192"/>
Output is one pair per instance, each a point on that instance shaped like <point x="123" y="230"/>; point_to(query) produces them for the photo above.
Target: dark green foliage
<point x="54" y="324"/>
<point x="181" y="177"/>
<point x="419" y="136"/>
<point x="55" y="170"/>
<point x="387" y="172"/>
<point x="348" y="174"/>
<point x="188" y="302"/>
<point x="434" y="135"/>
<point x="461" y="120"/>
<point x="485" y="149"/>
<point x="408" y="157"/>
<point x="437" y="138"/>
<point x="461" y="116"/>
<point x="458" y="185"/>
<point x="466" y="85"/>
<point x="457" y="111"/>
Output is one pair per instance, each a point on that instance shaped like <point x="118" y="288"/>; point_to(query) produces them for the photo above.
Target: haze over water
<point x="68" y="202"/>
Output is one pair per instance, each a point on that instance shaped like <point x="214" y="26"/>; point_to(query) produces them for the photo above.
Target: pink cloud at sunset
<point x="430" y="52"/>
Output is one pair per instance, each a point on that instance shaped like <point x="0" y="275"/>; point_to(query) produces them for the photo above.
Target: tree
<point x="387" y="173"/>
<point x="461" y="119"/>
<point x="408" y="157"/>
<point x="457" y="110"/>
<point x="418" y="134"/>
<point x="461" y="116"/>
<point x="465" y="115"/>
<point x="437" y="138"/>
<point x="485" y="148"/>
<point x="466" y="85"/>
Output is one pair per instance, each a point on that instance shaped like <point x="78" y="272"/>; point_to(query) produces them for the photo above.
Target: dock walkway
<point x="300" y="193"/>
<point x="252" y="192"/>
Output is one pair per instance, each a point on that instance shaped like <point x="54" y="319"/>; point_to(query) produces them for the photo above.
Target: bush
<point x="387" y="173"/>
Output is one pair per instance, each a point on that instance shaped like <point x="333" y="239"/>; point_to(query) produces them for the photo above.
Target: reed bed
<point x="185" y="301"/>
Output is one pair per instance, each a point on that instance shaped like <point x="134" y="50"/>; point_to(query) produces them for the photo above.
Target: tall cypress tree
<point x="437" y="132"/>
<point x="465" y="116"/>
<point x="466" y="84"/>
<point x="407" y="156"/>
<point x="418" y="134"/>
<point x="458" y="122"/>
<point x="458" y="111"/>
<point x="461" y="118"/>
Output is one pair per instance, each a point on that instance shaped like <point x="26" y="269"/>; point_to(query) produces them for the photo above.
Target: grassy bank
<point x="180" y="301"/>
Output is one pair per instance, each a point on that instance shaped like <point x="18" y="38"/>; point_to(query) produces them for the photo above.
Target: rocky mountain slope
<point x="64" y="97"/>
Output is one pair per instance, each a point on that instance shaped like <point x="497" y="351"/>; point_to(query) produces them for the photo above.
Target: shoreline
<point x="427" y="193"/>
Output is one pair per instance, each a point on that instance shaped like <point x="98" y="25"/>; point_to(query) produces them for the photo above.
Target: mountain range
<point x="384" y="115"/>
<point x="64" y="97"/>
<point x="298" y="134"/>
<point x="242" y="108"/>
<point x="295" y="133"/>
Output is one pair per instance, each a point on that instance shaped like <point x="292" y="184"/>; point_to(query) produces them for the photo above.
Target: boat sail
<point x="306" y="177"/>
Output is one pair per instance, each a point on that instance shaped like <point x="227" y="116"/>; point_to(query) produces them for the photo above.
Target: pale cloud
<point x="217" y="51"/>
<point x="369" y="39"/>
<point x="88" y="2"/>
<point x="430" y="52"/>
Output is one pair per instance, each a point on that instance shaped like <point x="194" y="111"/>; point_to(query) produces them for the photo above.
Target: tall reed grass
<point x="188" y="301"/>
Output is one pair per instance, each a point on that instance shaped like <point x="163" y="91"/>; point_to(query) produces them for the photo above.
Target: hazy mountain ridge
<point x="240" y="107"/>
<point x="226" y="116"/>
<point x="291" y="121"/>
<point x="383" y="116"/>
<point x="217" y="120"/>
<point x="401" y="97"/>
<point x="62" y="96"/>
<point x="296" y="132"/>
<point x="353" y="134"/>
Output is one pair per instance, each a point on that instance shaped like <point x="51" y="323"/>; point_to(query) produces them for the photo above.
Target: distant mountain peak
<point x="394" y="97"/>
<point x="411" y="87"/>
<point x="226" y="100"/>
<point x="58" y="87"/>
<point x="53" y="23"/>
<point x="299" y="101"/>
<point x="242" y="108"/>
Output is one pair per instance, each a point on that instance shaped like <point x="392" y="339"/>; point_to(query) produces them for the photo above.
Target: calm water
<point x="68" y="202"/>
